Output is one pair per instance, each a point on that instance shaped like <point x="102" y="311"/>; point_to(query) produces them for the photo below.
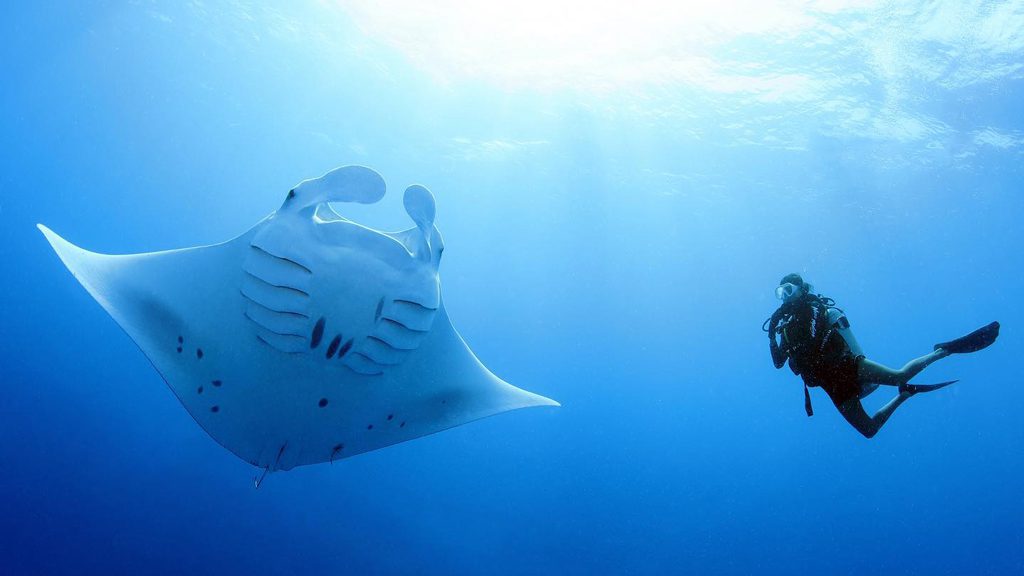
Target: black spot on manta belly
<point x="199" y="390"/>
<point x="369" y="426"/>
<point x="318" y="333"/>
<point x="180" y="340"/>
<point x="179" y="349"/>
<point x="345" y="348"/>
<point x="216" y="383"/>
<point x="323" y="402"/>
<point x="333" y="346"/>
<point x="391" y="416"/>
<point x="199" y="353"/>
<point x="215" y="409"/>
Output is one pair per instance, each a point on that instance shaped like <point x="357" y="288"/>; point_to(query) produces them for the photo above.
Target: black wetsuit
<point x="815" y="349"/>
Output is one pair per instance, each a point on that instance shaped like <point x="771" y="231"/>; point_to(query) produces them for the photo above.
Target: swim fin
<point x="918" y="388"/>
<point x="980" y="338"/>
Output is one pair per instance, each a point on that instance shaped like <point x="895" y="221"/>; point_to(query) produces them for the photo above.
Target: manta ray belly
<point x="351" y="296"/>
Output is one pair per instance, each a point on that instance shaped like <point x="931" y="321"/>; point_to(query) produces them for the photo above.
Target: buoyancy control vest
<point x="812" y="332"/>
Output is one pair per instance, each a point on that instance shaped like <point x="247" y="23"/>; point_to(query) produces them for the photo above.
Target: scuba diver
<point x="815" y="336"/>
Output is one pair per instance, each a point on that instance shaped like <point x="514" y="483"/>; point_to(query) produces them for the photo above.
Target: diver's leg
<point x="872" y="372"/>
<point x="867" y="389"/>
<point x="854" y="413"/>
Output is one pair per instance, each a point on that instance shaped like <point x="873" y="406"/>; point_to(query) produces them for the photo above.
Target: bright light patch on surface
<point x="596" y="45"/>
<point x="768" y="72"/>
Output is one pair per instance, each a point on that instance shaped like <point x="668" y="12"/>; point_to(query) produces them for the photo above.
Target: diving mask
<point x="788" y="292"/>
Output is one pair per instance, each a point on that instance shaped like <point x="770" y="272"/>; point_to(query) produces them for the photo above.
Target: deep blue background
<point x="617" y="262"/>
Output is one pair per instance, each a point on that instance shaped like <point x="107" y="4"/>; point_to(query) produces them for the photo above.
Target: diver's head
<point x="791" y="288"/>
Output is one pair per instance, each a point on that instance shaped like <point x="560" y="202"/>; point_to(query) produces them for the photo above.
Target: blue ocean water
<point x="620" y="190"/>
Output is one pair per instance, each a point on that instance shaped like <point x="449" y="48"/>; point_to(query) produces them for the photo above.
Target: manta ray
<point x="310" y="337"/>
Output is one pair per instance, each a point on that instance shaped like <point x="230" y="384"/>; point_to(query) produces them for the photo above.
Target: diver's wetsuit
<point x="815" y="349"/>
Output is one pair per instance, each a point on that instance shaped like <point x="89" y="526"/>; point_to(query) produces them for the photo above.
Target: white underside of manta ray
<point x="309" y="338"/>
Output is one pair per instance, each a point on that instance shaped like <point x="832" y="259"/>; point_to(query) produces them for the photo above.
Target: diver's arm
<point x="779" y="355"/>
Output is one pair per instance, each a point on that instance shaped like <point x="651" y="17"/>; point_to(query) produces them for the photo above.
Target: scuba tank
<point x="839" y="323"/>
